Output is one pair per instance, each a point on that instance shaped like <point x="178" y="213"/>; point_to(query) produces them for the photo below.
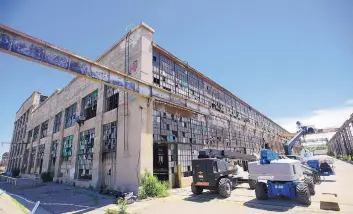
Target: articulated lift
<point x="216" y="170"/>
<point x="278" y="175"/>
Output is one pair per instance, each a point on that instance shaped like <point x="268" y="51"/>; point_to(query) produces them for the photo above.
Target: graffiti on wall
<point x="40" y="52"/>
<point x="133" y="67"/>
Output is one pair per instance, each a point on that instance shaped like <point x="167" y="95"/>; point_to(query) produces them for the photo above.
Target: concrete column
<point x="75" y="143"/>
<point x="97" y="149"/>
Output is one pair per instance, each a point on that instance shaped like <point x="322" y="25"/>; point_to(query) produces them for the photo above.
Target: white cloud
<point x="321" y="118"/>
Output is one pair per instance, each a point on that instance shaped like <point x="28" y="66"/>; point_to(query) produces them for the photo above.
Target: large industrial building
<point x="94" y="135"/>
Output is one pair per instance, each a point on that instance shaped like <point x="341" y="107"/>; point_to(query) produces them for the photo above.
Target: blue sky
<point x="288" y="59"/>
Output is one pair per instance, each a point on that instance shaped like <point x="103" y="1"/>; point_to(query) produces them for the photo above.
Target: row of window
<point x="175" y="78"/>
<point x="85" y="150"/>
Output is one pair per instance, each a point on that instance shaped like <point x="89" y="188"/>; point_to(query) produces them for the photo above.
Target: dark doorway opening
<point x="160" y="161"/>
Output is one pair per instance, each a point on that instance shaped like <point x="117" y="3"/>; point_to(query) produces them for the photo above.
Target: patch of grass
<point x="123" y="206"/>
<point x="112" y="211"/>
<point x="23" y="208"/>
<point x="152" y="187"/>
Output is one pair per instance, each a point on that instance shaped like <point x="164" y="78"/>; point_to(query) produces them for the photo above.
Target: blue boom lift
<point x="281" y="176"/>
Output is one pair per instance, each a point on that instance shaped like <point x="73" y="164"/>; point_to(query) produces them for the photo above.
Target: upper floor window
<point x="44" y="130"/>
<point x="89" y="105"/>
<point x="70" y="115"/>
<point x="57" y="122"/>
<point x="29" y="136"/>
<point x="111" y="98"/>
<point x="35" y="134"/>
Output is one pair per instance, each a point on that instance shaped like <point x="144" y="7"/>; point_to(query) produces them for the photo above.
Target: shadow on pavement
<point x="204" y="197"/>
<point x="274" y="205"/>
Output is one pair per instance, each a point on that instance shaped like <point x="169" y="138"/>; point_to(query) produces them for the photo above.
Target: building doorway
<point x="160" y="161"/>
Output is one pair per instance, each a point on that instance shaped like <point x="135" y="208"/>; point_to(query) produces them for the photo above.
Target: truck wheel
<point x="309" y="181"/>
<point x="303" y="193"/>
<point x="196" y="189"/>
<point x="261" y="191"/>
<point x="225" y="187"/>
<point x="252" y="183"/>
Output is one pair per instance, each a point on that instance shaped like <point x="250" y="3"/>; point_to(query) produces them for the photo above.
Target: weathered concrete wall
<point x="135" y="122"/>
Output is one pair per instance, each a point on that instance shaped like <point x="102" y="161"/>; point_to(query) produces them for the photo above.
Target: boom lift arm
<point x="304" y="130"/>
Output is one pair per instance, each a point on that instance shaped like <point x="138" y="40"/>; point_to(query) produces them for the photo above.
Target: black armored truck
<point x="216" y="170"/>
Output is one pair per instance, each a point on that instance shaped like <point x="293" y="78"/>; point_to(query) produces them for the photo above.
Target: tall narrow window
<point x="44" y="130"/>
<point x="39" y="161"/>
<point x="54" y="153"/>
<point x="66" y="155"/>
<point x="111" y="98"/>
<point x="57" y="122"/>
<point x="70" y="115"/>
<point x="35" y="134"/>
<point x="85" y="154"/>
<point x="109" y="136"/>
<point x="89" y="105"/>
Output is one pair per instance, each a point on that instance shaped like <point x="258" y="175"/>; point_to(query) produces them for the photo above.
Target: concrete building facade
<point x="94" y="135"/>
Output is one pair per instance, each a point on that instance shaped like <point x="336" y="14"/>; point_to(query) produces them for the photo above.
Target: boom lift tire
<point x="261" y="191"/>
<point x="196" y="189"/>
<point x="309" y="181"/>
<point x="225" y="187"/>
<point x="252" y="183"/>
<point x="303" y="193"/>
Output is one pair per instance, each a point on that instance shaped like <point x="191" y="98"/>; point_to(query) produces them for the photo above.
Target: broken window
<point x="109" y="136"/>
<point x="39" y="161"/>
<point x="185" y="156"/>
<point x="54" y="152"/>
<point x="44" y="129"/>
<point x="85" y="154"/>
<point x="29" y="137"/>
<point x="155" y="69"/>
<point x="111" y="98"/>
<point x="32" y="159"/>
<point x="57" y="122"/>
<point x="25" y="161"/>
<point x="35" y="134"/>
<point x="166" y="72"/>
<point x="66" y="154"/>
<point x="181" y="78"/>
<point x="89" y="105"/>
<point x="70" y="115"/>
